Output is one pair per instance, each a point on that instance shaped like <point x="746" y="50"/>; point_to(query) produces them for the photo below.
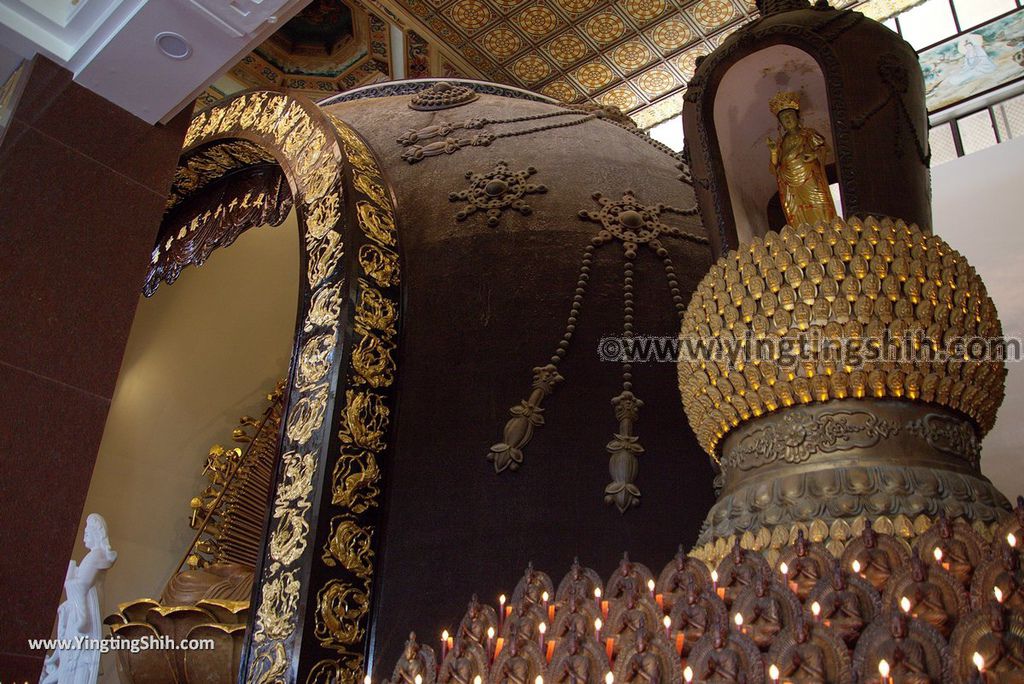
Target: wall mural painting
<point x="976" y="62"/>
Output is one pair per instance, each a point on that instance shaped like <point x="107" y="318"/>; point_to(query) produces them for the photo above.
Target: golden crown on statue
<point x="784" y="100"/>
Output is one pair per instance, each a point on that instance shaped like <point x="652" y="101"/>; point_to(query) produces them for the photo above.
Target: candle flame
<point x="883" y="668"/>
<point x="773" y="672"/>
<point x="783" y="568"/>
<point x="905" y="604"/>
<point x="999" y="594"/>
<point x="856" y="566"/>
<point x="444" y="636"/>
<point x="418" y="679"/>
<point x="1011" y="539"/>
<point x="490" y="632"/>
<point x="938" y="554"/>
<point x="650" y="585"/>
<point x="688" y="674"/>
<point x="714" y="575"/>
<point x="667" y="621"/>
<point x="542" y="627"/>
<point x="538" y="680"/>
<point x="738" y="619"/>
<point x="367" y="680"/>
<point x="501" y="599"/>
<point x="816" y="609"/>
<point x="544" y="597"/>
<point x="609" y="678"/>
<point x="597" y="624"/>
<point x="979" y="661"/>
<point x="478" y="680"/>
<point x="597" y="592"/>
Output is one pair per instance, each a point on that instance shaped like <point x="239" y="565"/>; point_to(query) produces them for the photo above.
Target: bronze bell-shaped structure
<point x="860" y="87"/>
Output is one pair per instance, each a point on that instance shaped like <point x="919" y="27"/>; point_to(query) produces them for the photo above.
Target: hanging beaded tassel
<point x="633" y="224"/>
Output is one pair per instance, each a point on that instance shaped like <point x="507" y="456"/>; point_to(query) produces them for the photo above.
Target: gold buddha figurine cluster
<point x="839" y="281"/>
<point x="949" y="607"/>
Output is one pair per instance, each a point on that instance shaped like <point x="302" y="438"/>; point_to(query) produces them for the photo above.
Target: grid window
<point x="970" y="13"/>
<point x="1009" y="117"/>
<point x="976" y="131"/>
<point x="928" y="23"/>
<point x="940" y="139"/>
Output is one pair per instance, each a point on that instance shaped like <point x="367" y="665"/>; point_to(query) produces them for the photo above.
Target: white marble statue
<point x="79" y="621"/>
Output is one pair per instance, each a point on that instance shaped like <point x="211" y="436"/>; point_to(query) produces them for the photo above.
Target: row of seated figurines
<point x="948" y="608"/>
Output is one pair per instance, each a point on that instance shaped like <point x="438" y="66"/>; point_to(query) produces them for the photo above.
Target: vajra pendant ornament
<point x="633" y="225"/>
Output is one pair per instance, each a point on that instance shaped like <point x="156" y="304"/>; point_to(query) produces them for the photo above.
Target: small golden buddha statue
<point x="798" y="162"/>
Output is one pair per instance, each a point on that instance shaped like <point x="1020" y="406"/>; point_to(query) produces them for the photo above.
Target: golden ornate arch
<point x="244" y="163"/>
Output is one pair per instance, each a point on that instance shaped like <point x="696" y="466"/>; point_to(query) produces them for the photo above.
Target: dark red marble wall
<point x="82" y="190"/>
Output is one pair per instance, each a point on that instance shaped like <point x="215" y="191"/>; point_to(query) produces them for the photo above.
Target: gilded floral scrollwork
<point x="380" y="264"/>
<point x="364" y="420"/>
<point x="355" y="481"/>
<point x="324" y="308"/>
<point x="351" y="546"/>
<point x="375" y="311"/>
<point x="340" y="608"/>
<point x="307" y="415"/>
<point x="315" y="359"/>
<point x="372" y="361"/>
<point x="277" y="609"/>
<point x="377" y="224"/>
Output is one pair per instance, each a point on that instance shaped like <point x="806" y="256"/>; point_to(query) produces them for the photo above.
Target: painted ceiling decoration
<point x="328" y="47"/>
<point x="636" y="55"/>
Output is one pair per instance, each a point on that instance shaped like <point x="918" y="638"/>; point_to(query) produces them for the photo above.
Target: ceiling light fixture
<point x="173" y="45"/>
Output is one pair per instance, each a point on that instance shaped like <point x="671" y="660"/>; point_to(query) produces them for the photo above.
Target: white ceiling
<point x="110" y="45"/>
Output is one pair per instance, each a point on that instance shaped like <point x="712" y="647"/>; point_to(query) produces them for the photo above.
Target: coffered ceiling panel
<point x="633" y="54"/>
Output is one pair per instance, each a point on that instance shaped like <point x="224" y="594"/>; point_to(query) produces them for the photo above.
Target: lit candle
<point x="784" y="569"/>
<point x="905" y="605"/>
<point x="773" y="673"/>
<point x="490" y="642"/>
<point x="938" y="558"/>
<point x="597" y="628"/>
<point x="538" y="680"/>
<point x="738" y="619"/>
<point x="609" y="678"/>
<point x="667" y="621"/>
<point x="883" y="671"/>
<point x="816" y="610"/>
<point x="1011" y="539"/>
<point x="444" y="644"/>
<point x="999" y="594"/>
<point x="855" y="565"/>
<point x="544" y="597"/>
<point x="650" y="586"/>
<point x="418" y="679"/>
<point x="541" y="629"/>
<point x="688" y="674"/>
<point x="501" y="612"/>
<point x="979" y="663"/>
<point x="478" y="680"/>
<point x="720" y="591"/>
